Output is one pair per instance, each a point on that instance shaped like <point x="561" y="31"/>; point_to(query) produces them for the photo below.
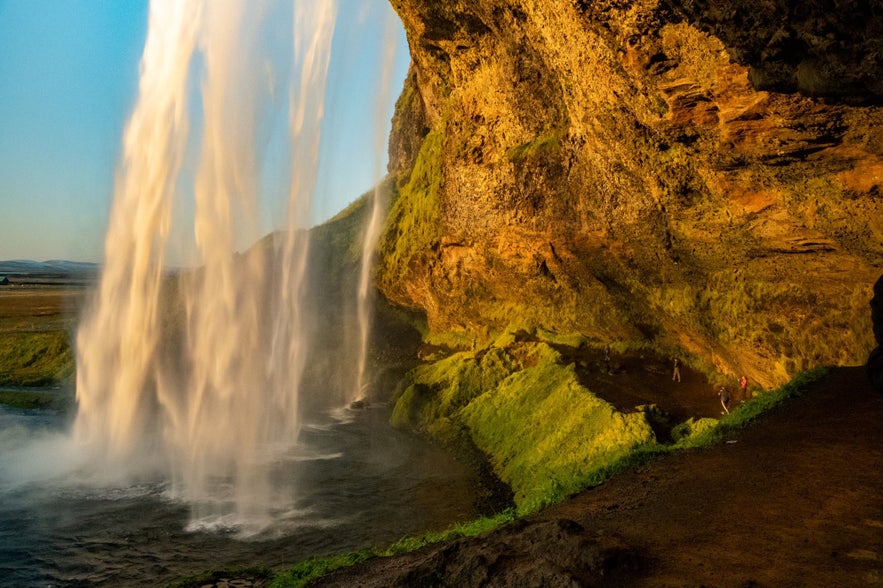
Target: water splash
<point x="209" y="396"/>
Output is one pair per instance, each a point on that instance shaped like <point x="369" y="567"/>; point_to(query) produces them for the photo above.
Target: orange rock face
<point x="701" y="176"/>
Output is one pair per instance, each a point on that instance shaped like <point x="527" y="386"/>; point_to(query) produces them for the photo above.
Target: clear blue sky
<point x="68" y="82"/>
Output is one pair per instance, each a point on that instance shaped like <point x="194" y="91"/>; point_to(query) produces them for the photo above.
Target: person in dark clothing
<point x="607" y="365"/>
<point x="724" y="395"/>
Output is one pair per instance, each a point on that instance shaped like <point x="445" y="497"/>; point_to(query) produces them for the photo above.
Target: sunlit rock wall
<point x="702" y="176"/>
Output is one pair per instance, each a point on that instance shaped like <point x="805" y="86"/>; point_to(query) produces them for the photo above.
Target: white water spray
<point x="208" y="396"/>
<point x="376" y="218"/>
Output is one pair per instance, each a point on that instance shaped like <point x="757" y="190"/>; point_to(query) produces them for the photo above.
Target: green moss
<point x="413" y="224"/>
<point x="35" y="358"/>
<point x="546" y="435"/>
<point x="342" y="233"/>
<point x="575" y="340"/>
<point x="311" y="569"/>
<point x="686" y="433"/>
<point x="538" y="148"/>
<point x="437" y="391"/>
<point x="509" y="335"/>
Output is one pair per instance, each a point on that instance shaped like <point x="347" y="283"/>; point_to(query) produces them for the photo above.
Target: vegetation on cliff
<point x="413" y="223"/>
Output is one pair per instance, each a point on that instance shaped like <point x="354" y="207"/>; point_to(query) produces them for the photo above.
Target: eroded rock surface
<point x="707" y="175"/>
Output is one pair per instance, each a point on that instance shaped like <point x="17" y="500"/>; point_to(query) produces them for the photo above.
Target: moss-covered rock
<point x="544" y="434"/>
<point x="547" y="435"/>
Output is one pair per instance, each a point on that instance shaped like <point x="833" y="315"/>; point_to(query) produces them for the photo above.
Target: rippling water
<point x="358" y="483"/>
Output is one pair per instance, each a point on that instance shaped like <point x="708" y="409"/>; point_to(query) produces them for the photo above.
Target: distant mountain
<point x="71" y="266"/>
<point x="54" y="267"/>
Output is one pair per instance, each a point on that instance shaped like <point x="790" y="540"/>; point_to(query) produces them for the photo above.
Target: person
<point x="743" y="384"/>
<point x="724" y="395"/>
<point x="676" y="375"/>
<point x="607" y="359"/>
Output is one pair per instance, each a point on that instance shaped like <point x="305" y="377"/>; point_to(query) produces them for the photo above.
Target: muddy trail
<point x="637" y="379"/>
<point x="795" y="499"/>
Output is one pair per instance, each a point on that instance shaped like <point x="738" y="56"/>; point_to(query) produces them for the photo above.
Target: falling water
<point x="207" y="397"/>
<point x="375" y="219"/>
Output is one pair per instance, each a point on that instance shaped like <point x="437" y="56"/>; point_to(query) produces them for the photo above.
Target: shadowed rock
<point x="875" y="361"/>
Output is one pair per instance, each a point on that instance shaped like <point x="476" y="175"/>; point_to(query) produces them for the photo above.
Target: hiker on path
<point x="676" y="375"/>
<point x="607" y="359"/>
<point x="743" y="383"/>
<point x="724" y="395"/>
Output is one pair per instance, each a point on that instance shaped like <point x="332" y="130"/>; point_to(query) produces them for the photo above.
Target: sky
<point x="68" y="84"/>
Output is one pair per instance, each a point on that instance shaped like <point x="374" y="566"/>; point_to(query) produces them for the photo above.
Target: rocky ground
<point x="794" y="500"/>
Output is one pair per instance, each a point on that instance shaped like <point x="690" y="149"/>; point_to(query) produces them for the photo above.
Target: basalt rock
<point x="517" y="555"/>
<point x="703" y="175"/>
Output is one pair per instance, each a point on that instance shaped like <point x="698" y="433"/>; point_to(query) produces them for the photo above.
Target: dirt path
<point x="794" y="500"/>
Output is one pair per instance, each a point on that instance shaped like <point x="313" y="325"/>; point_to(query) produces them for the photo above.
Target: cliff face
<point x="703" y="176"/>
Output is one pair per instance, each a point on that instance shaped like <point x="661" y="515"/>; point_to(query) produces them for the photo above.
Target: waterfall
<point x="374" y="220"/>
<point x="207" y="396"/>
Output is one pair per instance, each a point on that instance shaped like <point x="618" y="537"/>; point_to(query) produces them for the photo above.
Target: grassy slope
<point x="35" y="358"/>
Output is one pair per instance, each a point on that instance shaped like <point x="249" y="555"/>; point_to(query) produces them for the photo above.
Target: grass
<point x="40" y="358"/>
<point x="544" y="434"/>
<point x="306" y="571"/>
<point x="27" y="399"/>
